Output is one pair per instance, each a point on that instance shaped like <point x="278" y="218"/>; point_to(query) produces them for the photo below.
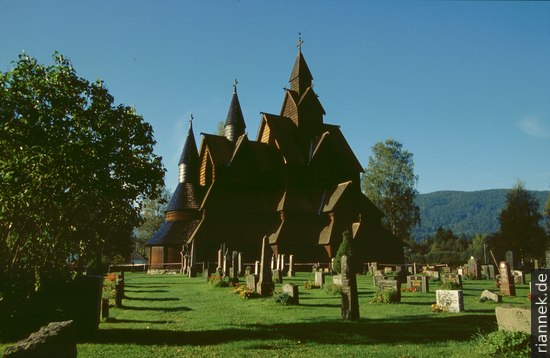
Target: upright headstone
<point x="350" y="299"/>
<point x="234" y="266"/>
<point x="374" y="267"/>
<point x="450" y="300"/>
<point x="265" y="284"/>
<point x="256" y="267"/>
<point x="240" y="264"/>
<point x="272" y="262"/>
<point x="205" y="273"/>
<point x="282" y="266"/>
<point x="390" y="285"/>
<point x="290" y="266"/>
<point x="519" y="277"/>
<point x="510" y="259"/>
<point x="420" y="283"/>
<point x="220" y="260"/>
<point x="226" y="265"/>
<point x="319" y="278"/>
<point x="491" y="270"/>
<point x="474" y="269"/>
<point x="453" y="277"/>
<point x="252" y="282"/>
<point x="277" y="276"/>
<point x="377" y="278"/>
<point x="536" y="264"/>
<point x="292" y="291"/>
<point x="507" y="287"/>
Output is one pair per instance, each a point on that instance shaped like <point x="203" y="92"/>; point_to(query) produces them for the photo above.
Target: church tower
<point x="234" y="123"/>
<point x="189" y="159"/>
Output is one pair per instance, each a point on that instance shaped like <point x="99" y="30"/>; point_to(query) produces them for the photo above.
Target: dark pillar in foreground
<point x="350" y="301"/>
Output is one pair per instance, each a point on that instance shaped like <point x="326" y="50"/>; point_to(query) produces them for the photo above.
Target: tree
<point x="74" y="169"/>
<point x="345" y="248"/>
<point x="153" y="217"/>
<point x="446" y="247"/>
<point x="520" y="227"/>
<point x="547" y="215"/>
<point x="389" y="182"/>
<point x="220" y="128"/>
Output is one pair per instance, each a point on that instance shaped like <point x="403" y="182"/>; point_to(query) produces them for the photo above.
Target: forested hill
<point x="464" y="212"/>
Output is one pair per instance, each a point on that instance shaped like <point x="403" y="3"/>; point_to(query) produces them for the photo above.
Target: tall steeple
<point x="234" y="123"/>
<point x="189" y="160"/>
<point x="300" y="78"/>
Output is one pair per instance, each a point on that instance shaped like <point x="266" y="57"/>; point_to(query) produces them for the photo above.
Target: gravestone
<point x="256" y="267"/>
<point x="234" y="275"/>
<point x="536" y="264"/>
<point x="445" y="269"/>
<point x="388" y="270"/>
<point x="247" y="271"/>
<point x="265" y="283"/>
<point x="239" y="264"/>
<point x="450" y="300"/>
<point x="226" y="265"/>
<point x="350" y="299"/>
<point x="474" y="269"/>
<point x="337" y="280"/>
<point x="453" y="277"/>
<point x="220" y="260"/>
<point x="377" y="278"/>
<point x="513" y="319"/>
<point x="292" y="291"/>
<point x="507" y="287"/>
<point x="290" y="266"/>
<point x="272" y="262"/>
<point x="282" y="265"/>
<point x="491" y="270"/>
<point x="252" y="282"/>
<point x="390" y="285"/>
<point x="421" y="283"/>
<point x="519" y="277"/>
<point x="484" y="272"/>
<point x="319" y="278"/>
<point x="205" y="274"/>
<point x="547" y="259"/>
<point x="277" y="276"/>
<point x="373" y="267"/>
<point x="510" y="259"/>
<point x="490" y="296"/>
<point x="57" y="339"/>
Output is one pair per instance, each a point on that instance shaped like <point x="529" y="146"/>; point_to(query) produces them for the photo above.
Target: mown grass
<point x="174" y="316"/>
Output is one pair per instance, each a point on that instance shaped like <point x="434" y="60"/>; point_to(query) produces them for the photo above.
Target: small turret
<point x="234" y="123"/>
<point x="188" y="164"/>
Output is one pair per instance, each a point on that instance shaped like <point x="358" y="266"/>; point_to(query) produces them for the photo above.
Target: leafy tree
<point x="220" y="128"/>
<point x="74" y="169"/>
<point x="345" y="248"/>
<point x="153" y="217"/>
<point x="447" y="248"/>
<point x="547" y="214"/>
<point x="520" y="227"/>
<point x="389" y="181"/>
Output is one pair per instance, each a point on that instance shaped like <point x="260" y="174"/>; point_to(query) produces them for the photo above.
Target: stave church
<point x="297" y="183"/>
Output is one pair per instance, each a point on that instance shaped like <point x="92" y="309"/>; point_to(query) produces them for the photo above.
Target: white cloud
<point x="534" y="127"/>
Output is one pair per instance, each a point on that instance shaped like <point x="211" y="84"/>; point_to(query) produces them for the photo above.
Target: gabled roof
<point x="189" y="154"/>
<point x="235" y="114"/>
<point x="310" y="97"/>
<point x="339" y="145"/>
<point x="335" y="196"/>
<point x="296" y="200"/>
<point x="186" y="196"/>
<point x="219" y="147"/>
<point x="286" y="137"/>
<point x="173" y="233"/>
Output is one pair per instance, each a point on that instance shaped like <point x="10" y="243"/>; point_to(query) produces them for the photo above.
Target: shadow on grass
<point x="146" y="291"/>
<point x="160" y="309"/>
<point x="320" y="305"/>
<point x="117" y="320"/>
<point x="153" y="285"/>
<point x="151" y="298"/>
<point x="418" y="330"/>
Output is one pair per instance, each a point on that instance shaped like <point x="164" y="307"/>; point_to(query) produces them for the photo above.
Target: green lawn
<point x="174" y="316"/>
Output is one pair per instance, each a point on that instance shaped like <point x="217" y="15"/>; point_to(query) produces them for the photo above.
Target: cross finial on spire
<point x="235" y="82"/>
<point x="300" y="41"/>
<point x="191" y="121"/>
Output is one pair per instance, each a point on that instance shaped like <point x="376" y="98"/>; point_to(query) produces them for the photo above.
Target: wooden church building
<point x="298" y="183"/>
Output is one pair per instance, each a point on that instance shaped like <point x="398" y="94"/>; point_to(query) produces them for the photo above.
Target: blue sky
<point x="465" y="86"/>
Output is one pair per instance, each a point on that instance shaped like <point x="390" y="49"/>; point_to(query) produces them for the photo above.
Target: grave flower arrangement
<point x="244" y="291"/>
<point x="408" y="289"/>
<point x="308" y="285"/>
<point x="109" y="285"/>
<point x="386" y="296"/>
<point x="437" y="308"/>
<point x="217" y="281"/>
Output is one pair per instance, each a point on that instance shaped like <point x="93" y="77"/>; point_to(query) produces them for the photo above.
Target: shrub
<point x="284" y="299"/>
<point x="109" y="285"/>
<point x="333" y="289"/>
<point x="344" y="249"/>
<point x="438" y="308"/>
<point x="308" y="285"/>
<point x="244" y="291"/>
<point x="386" y="296"/>
<point x="218" y="281"/>
<point x="503" y="344"/>
<point x="448" y="285"/>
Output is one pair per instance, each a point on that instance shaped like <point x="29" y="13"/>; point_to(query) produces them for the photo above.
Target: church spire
<point x="234" y="123"/>
<point x="189" y="159"/>
<point x="300" y="78"/>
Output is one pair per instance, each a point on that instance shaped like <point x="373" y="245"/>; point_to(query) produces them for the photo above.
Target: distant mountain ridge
<point x="464" y="212"/>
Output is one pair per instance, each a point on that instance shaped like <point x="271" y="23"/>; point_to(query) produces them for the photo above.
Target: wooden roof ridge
<point x="219" y="147"/>
<point x="238" y="145"/>
<point x="286" y="137"/>
<point x="341" y="144"/>
<point x="310" y="95"/>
